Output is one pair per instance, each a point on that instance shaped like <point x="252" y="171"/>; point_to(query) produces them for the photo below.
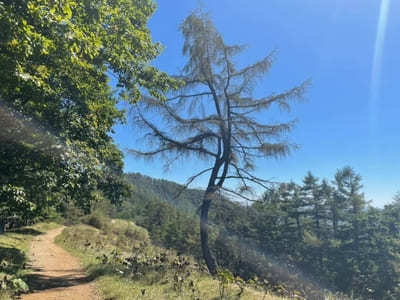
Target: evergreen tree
<point x="348" y="193"/>
<point x="313" y="201"/>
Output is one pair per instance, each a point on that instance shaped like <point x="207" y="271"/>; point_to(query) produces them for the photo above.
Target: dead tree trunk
<point x="209" y="259"/>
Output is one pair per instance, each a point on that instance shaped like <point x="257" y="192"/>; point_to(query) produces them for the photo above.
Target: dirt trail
<point x="57" y="274"/>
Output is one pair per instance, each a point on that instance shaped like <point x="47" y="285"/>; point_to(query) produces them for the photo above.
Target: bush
<point x="72" y="214"/>
<point x="96" y="220"/>
<point x="19" y="285"/>
<point x="130" y="230"/>
<point x="12" y="285"/>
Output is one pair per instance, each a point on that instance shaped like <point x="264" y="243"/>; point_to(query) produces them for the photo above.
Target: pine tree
<point x="313" y="201"/>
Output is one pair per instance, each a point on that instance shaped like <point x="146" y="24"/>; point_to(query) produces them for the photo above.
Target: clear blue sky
<point x="350" y="117"/>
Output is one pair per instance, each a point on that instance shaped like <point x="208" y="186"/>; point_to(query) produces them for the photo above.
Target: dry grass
<point x="115" y="287"/>
<point x="88" y="243"/>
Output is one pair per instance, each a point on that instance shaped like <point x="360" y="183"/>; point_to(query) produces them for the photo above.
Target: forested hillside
<point x="188" y="200"/>
<point x="311" y="235"/>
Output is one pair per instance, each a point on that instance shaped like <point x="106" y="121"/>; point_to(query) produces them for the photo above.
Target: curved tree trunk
<point x="209" y="259"/>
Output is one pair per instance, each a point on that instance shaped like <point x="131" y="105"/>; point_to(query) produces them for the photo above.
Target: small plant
<point x="241" y="284"/>
<point x="256" y="282"/>
<point x="13" y="284"/>
<point x="4" y="264"/>
<point x="195" y="292"/>
<point x="178" y="283"/>
<point x="225" y="277"/>
<point x="182" y="279"/>
<point x="19" y="286"/>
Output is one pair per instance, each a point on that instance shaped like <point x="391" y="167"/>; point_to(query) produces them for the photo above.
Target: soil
<point x="57" y="274"/>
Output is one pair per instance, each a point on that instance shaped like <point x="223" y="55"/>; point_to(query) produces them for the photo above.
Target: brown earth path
<point x="57" y="274"/>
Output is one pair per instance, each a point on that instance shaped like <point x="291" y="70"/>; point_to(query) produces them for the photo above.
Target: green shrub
<point x="131" y="231"/>
<point x="96" y="220"/>
<point x="19" y="285"/>
<point x="72" y="214"/>
<point x="53" y="216"/>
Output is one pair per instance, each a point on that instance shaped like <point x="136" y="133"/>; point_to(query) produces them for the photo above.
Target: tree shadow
<point x="40" y="282"/>
<point x="25" y="230"/>
<point x="11" y="260"/>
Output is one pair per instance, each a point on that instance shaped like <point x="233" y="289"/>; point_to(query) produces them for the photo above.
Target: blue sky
<point x="350" y="117"/>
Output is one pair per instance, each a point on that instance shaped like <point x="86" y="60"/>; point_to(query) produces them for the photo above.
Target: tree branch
<point x="176" y="144"/>
<point x="189" y="96"/>
<point x="190" y="180"/>
<point x="237" y="194"/>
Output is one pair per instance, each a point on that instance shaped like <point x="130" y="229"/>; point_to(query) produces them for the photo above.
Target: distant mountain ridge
<point x="171" y="192"/>
<point x="189" y="199"/>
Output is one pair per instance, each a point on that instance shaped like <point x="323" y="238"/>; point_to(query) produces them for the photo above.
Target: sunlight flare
<point x="377" y="65"/>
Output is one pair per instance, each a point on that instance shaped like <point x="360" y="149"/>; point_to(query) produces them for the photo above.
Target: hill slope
<point x="147" y="272"/>
<point x="189" y="199"/>
<point x="244" y="239"/>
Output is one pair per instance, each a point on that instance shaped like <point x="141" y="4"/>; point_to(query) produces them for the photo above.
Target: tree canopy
<point x="56" y="103"/>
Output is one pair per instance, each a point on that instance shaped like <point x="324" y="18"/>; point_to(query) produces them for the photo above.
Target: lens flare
<point x="377" y="66"/>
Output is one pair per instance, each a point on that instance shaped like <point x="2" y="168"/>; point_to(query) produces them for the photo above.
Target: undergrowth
<point x="120" y="257"/>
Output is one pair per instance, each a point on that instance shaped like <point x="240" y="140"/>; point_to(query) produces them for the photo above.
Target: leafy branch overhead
<point x="56" y="100"/>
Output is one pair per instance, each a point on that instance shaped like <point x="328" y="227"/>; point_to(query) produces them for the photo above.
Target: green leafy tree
<point x="56" y="58"/>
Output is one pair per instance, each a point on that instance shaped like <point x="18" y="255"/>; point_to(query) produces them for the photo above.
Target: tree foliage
<point x="56" y="104"/>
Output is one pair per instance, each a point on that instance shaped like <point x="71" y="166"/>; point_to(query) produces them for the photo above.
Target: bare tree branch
<point x="215" y="116"/>
<point x="294" y="93"/>
<point x="190" y="96"/>
<point x="174" y="144"/>
<point x="190" y="180"/>
<point x="240" y="195"/>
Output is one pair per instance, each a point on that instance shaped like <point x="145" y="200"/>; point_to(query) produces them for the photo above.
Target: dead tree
<point x="214" y="117"/>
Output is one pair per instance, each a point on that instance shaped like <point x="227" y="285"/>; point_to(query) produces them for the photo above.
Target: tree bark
<point x="209" y="259"/>
<point x="2" y="225"/>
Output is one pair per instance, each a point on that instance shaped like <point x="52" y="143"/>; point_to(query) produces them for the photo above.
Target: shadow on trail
<point x="11" y="260"/>
<point x="40" y="282"/>
<point x="24" y="230"/>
